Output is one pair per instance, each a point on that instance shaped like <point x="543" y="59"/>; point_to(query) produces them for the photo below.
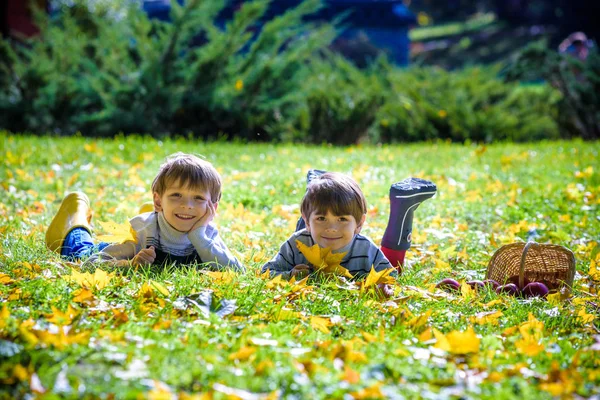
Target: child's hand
<point x="144" y="257"/>
<point x="300" y="270"/>
<point x="207" y="217"/>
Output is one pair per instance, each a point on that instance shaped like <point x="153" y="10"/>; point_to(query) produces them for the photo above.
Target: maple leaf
<point x="350" y="375"/>
<point x="457" y="342"/>
<point x="99" y="279"/>
<point x="323" y="259"/>
<point x="83" y="295"/>
<point x="223" y="277"/>
<point x="375" y="277"/>
<point x="275" y="282"/>
<point x="529" y="346"/>
<point x="117" y="233"/>
<point x="62" y="318"/>
<point x="4" y="315"/>
<point x="371" y="392"/>
<point x="5" y="279"/>
<point x="321" y="324"/>
<point x="243" y="353"/>
<point x="594" y="273"/>
<point x="487" y="317"/>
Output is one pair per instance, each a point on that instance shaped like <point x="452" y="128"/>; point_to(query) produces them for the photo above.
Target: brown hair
<point x="334" y="192"/>
<point x="189" y="171"/>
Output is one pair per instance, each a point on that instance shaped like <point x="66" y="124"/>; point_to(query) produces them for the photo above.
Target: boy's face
<point x="182" y="206"/>
<point x="333" y="231"/>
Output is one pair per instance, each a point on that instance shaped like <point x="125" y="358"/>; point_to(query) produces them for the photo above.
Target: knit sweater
<point x="361" y="254"/>
<point x="152" y="229"/>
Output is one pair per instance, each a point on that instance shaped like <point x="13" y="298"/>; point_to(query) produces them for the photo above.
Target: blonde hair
<point x="189" y="171"/>
<point x="334" y="192"/>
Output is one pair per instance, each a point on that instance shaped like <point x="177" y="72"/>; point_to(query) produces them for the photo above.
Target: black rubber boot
<point x="405" y="197"/>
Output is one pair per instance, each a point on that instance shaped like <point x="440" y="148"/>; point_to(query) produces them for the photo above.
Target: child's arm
<point x="366" y="255"/>
<point x="211" y="249"/>
<point x="117" y="253"/>
<point x="285" y="261"/>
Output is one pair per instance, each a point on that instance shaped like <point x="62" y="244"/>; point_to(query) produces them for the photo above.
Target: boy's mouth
<point x="185" y="216"/>
<point x="331" y="238"/>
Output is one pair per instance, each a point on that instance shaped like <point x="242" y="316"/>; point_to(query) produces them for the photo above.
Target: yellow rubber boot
<point x="146" y="207"/>
<point x="74" y="212"/>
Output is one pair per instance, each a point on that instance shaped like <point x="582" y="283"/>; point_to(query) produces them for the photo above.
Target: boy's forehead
<point x="328" y="211"/>
<point x="177" y="184"/>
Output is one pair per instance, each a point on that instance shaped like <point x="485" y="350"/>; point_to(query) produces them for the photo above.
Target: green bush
<point x="105" y="75"/>
<point x="471" y="104"/>
<point x="577" y="80"/>
<point x="113" y="70"/>
<point x="340" y="103"/>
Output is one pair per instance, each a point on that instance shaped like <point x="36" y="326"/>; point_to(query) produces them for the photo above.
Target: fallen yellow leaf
<point x="457" y="342"/>
<point x="375" y="277"/>
<point x="320" y="324"/>
<point x="116" y="233"/>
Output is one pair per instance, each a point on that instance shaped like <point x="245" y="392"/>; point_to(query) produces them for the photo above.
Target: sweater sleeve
<point x="115" y="252"/>
<point x="212" y="249"/>
<point x="366" y="254"/>
<point x="285" y="260"/>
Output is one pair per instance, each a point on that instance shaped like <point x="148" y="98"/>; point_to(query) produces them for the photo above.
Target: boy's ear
<point x="216" y="205"/>
<point x="360" y="224"/>
<point x="306" y="222"/>
<point x="157" y="203"/>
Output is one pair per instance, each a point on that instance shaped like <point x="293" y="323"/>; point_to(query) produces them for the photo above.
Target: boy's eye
<point x="200" y="198"/>
<point x="343" y="219"/>
<point x="175" y="195"/>
<point x="320" y="218"/>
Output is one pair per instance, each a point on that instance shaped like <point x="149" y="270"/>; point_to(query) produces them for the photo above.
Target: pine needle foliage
<point x="577" y="80"/>
<point x="102" y="74"/>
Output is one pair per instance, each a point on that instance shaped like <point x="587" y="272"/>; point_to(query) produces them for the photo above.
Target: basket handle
<point x="522" y="268"/>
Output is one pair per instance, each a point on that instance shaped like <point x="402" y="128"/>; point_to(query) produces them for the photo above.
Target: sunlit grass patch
<point x="79" y="332"/>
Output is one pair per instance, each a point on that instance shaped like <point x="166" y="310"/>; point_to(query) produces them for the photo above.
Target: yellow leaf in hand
<point x="312" y="254"/>
<point x="117" y="233"/>
<point x="331" y="258"/>
<point x="323" y="259"/>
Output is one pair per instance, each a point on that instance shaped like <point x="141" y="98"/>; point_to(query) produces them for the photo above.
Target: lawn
<point x="74" y="332"/>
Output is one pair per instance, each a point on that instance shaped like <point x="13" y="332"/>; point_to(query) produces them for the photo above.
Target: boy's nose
<point x="189" y="203"/>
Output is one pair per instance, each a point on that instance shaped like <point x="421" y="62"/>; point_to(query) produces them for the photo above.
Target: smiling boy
<point x="186" y="193"/>
<point x="334" y="210"/>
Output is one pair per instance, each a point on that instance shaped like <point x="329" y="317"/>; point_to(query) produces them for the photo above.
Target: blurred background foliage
<point x="101" y="71"/>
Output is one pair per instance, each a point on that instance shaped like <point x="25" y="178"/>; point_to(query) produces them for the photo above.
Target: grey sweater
<point x="152" y="229"/>
<point x="362" y="253"/>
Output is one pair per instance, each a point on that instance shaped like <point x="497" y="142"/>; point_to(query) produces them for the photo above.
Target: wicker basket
<point x="521" y="263"/>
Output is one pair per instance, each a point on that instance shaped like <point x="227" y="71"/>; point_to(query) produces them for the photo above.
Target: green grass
<point x="131" y="340"/>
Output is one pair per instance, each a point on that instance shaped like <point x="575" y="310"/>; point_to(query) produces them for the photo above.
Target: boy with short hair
<point x="186" y="193"/>
<point x="334" y="210"/>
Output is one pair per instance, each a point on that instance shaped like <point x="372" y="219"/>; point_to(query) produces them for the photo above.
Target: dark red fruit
<point x="384" y="290"/>
<point x="492" y="283"/>
<point x="509" y="288"/>
<point x="448" y="284"/>
<point x="535" y="289"/>
<point x="477" y="285"/>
